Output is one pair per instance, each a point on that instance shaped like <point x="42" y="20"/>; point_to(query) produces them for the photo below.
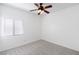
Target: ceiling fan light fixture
<point x="39" y="11"/>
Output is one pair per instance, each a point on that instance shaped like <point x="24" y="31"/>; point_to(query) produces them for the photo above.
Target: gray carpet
<point x="40" y="47"/>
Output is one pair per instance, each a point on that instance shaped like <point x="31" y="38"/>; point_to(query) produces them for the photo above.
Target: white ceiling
<point x="61" y="6"/>
<point x="30" y="6"/>
<point x="25" y="6"/>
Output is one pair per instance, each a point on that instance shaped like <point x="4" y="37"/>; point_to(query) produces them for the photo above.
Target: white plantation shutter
<point x="11" y="27"/>
<point x="8" y="29"/>
<point x="2" y="27"/>
<point x="18" y="27"/>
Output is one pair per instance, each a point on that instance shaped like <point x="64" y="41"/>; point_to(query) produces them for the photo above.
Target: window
<point x="11" y="27"/>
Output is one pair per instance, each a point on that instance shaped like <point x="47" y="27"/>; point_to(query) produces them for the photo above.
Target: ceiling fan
<point x="41" y="8"/>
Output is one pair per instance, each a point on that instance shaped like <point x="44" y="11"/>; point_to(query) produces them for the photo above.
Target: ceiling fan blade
<point x="46" y="11"/>
<point x="33" y="10"/>
<point x="41" y="3"/>
<point x="39" y="13"/>
<point x="49" y="6"/>
<point x="36" y="4"/>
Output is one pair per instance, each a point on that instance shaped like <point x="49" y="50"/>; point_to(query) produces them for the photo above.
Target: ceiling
<point x="24" y="6"/>
<point x="30" y="6"/>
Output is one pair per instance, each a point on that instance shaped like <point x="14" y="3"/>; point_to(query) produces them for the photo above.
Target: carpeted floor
<point x="40" y="47"/>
